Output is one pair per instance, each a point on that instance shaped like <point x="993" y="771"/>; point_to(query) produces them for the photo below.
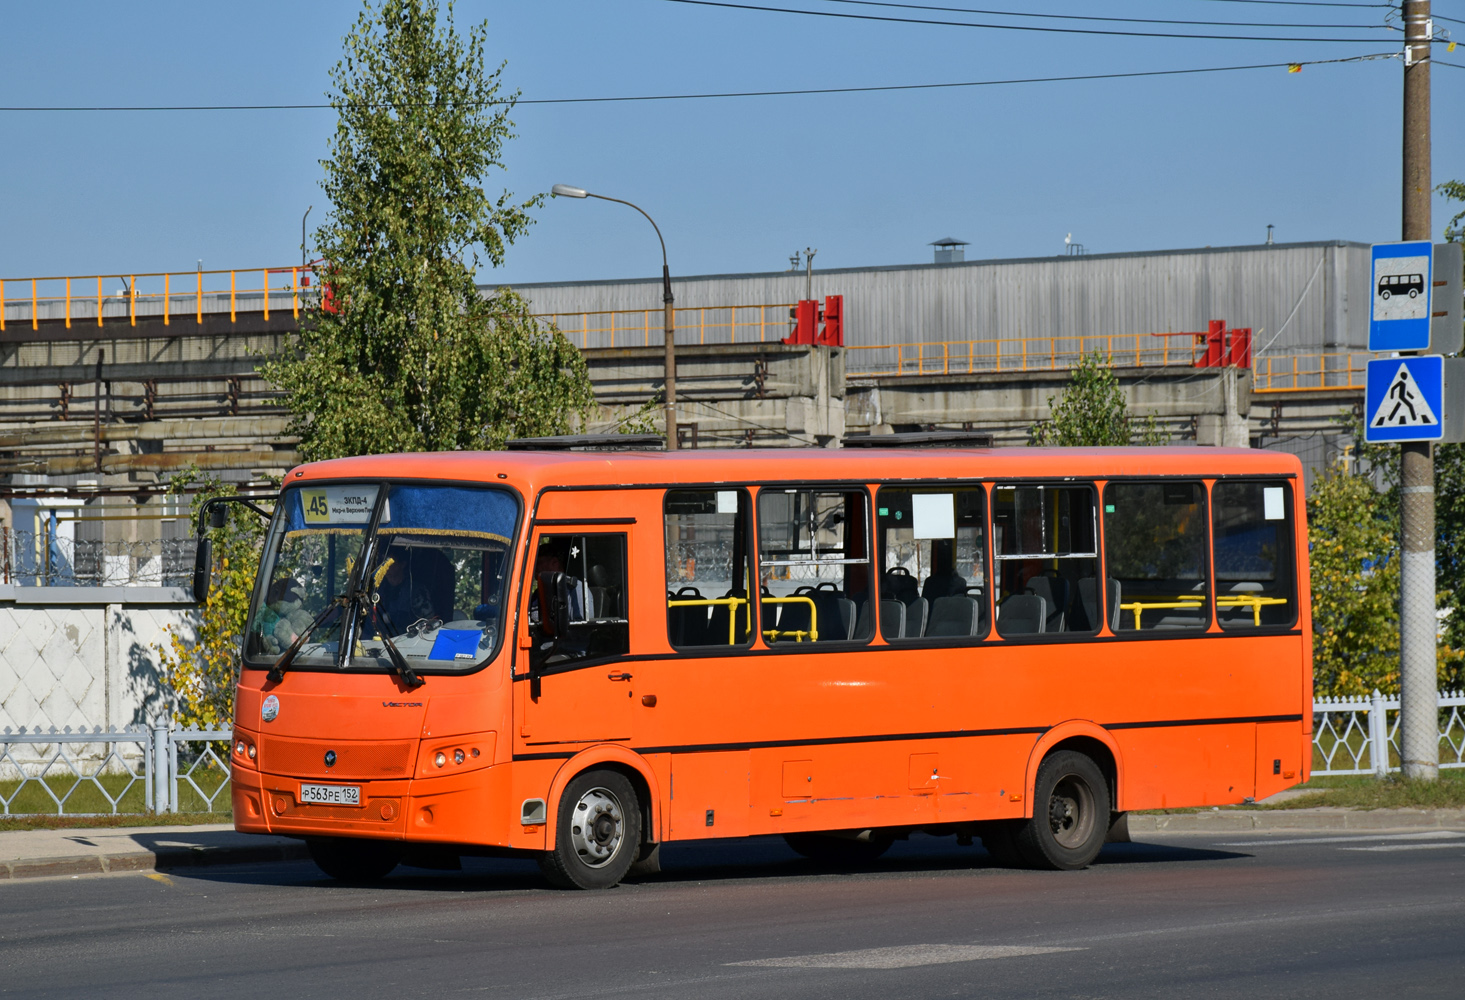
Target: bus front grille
<point x="362" y="761"/>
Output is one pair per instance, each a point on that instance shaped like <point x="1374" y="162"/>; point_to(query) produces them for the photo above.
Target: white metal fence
<point x="87" y="773"/>
<point x="169" y="769"/>
<point x="1361" y="735"/>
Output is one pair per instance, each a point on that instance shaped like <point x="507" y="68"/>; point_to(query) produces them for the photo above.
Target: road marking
<point x="903" y="956"/>
<point x="1355" y="838"/>
<point x="1403" y="847"/>
<point x="159" y="877"/>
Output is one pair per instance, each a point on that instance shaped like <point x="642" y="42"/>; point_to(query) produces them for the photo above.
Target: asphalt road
<point x="1239" y="915"/>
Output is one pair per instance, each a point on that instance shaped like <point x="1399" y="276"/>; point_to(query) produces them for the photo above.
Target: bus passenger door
<point x="574" y="633"/>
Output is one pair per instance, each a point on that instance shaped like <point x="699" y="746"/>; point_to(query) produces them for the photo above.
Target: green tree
<point x="1355" y="589"/>
<point x="406" y="354"/>
<point x="200" y="665"/>
<point x="1093" y="412"/>
<point x="1455" y="228"/>
<point x="1355" y="586"/>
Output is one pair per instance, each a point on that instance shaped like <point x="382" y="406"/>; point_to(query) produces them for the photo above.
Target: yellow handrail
<point x="732" y="619"/>
<point x="1192" y="602"/>
<point x="1249" y="600"/>
<point x="773" y="634"/>
<point x="1188" y="604"/>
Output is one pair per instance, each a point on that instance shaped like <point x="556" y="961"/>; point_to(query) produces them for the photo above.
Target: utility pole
<point x="1418" y="626"/>
<point x="809" y="253"/>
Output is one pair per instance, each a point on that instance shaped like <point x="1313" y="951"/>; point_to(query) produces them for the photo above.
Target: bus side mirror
<point x="203" y="558"/>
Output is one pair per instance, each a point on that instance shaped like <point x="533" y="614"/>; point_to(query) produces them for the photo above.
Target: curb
<point x="198" y="857"/>
<point x="1325" y="818"/>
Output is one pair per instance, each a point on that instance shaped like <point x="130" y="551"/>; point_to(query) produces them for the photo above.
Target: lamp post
<point x="566" y="191"/>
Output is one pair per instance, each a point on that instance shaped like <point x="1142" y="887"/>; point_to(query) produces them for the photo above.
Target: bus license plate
<point x="331" y="795"/>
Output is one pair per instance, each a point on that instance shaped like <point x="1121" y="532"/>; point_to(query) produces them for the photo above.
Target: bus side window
<point x="814" y="565"/>
<point x="707" y="568"/>
<point x="594" y="568"/>
<point x="1155" y="554"/>
<point x="1046" y="544"/>
<point x="1252" y="528"/>
<point x="933" y="562"/>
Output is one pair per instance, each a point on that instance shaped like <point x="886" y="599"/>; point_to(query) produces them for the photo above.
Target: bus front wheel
<point x="351" y="860"/>
<point x="1070" y="814"/>
<point x="598" y="833"/>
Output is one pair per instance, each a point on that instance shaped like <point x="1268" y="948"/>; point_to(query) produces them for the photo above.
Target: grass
<point x="120" y="820"/>
<point x="31" y="799"/>
<point x="1366" y="792"/>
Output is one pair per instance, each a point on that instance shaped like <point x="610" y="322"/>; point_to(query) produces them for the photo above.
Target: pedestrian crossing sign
<point x="1405" y="399"/>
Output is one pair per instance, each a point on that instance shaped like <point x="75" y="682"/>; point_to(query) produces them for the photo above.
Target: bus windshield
<point x="435" y="585"/>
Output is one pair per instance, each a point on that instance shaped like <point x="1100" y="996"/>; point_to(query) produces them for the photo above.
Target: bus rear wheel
<point x="348" y="859"/>
<point x="1070" y="814"/>
<point x="839" y="850"/>
<point x="598" y="833"/>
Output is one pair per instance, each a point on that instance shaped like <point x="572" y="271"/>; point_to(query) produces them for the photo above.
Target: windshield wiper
<point x="399" y="662"/>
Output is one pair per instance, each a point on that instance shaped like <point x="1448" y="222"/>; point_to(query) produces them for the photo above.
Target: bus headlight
<point x="440" y="759"/>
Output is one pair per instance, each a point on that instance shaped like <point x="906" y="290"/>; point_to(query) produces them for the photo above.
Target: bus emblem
<point x="330" y="758"/>
<point x="270" y="709"/>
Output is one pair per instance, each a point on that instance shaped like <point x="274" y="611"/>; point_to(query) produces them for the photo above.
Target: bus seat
<point x="892" y="619"/>
<point x="899" y="585"/>
<point x="916" y="614"/>
<point x="942" y="585"/>
<point x="836" y="613"/>
<point x="604" y="595"/>
<point x="1088" y="599"/>
<point x="689" y="626"/>
<point x="954" y="615"/>
<point x="1022" y="614"/>
<point x="717" y="621"/>
<point x="1054" y="592"/>
<point x="1179" y="621"/>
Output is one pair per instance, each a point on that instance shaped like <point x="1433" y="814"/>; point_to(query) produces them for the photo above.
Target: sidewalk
<point x="1322" y="818"/>
<point x="41" y="853"/>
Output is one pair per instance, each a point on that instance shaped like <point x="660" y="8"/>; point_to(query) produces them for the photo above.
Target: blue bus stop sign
<point x="1401" y="283"/>
<point x="1405" y="399"/>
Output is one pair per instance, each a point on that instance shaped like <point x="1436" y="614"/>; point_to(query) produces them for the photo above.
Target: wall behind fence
<point x="84" y="656"/>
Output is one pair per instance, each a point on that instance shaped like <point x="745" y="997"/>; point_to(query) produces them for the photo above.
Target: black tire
<point x="999" y="838"/>
<point x="349" y="859"/>
<point x="1070" y="814"/>
<point x="597" y="835"/>
<point x="839" y="850"/>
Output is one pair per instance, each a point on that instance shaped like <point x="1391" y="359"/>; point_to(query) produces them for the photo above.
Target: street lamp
<point x="566" y="191"/>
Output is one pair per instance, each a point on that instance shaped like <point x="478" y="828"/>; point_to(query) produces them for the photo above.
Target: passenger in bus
<point x="283" y="617"/>
<point x="403" y="595"/>
<point x="551" y="559"/>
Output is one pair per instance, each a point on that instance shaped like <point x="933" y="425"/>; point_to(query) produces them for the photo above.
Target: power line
<point x="1016" y="27"/>
<point x="742" y="93"/>
<point x="1093" y="17"/>
<point x="1304" y="3"/>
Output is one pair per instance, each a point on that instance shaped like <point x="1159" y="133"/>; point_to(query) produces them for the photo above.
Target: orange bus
<point x="582" y="656"/>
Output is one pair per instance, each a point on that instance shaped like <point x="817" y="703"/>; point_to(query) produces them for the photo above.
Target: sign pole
<point x="1418" y="720"/>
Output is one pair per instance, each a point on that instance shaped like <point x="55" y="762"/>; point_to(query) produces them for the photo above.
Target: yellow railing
<point x="773" y="634"/>
<point x="1191" y="602"/>
<point x="1310" y="372"/>
<point x="644" y="327"/>
<point x="969" y="357"/>
<point x="732" y="618"/>
<point x="167" y="295"/>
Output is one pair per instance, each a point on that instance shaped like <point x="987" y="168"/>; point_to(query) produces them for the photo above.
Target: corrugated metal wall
<point x="1296" y="297"/>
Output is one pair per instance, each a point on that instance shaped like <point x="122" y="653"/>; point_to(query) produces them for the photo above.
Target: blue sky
<point x="738" y="184"/>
